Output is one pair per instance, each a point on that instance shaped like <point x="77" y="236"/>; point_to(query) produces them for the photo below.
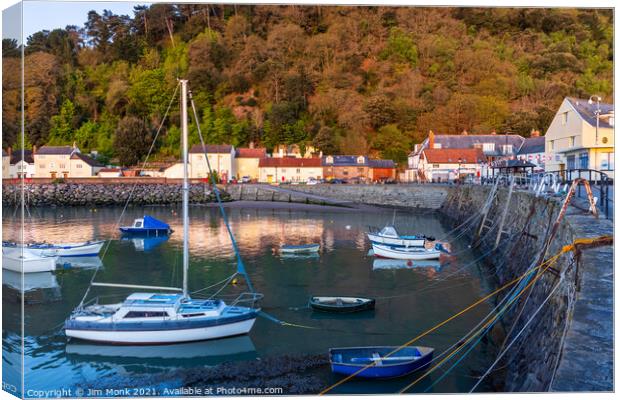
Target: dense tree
<point x="132" y="140"/>
<point x="348" y="79"/>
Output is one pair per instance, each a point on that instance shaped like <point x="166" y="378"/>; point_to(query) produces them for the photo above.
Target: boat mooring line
<point x="439" y="325"/>
<point x="488" y="324"/>
<point x="499" y="357"/>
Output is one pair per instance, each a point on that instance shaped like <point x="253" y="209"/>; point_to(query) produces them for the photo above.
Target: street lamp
<point x="597" y="112"/>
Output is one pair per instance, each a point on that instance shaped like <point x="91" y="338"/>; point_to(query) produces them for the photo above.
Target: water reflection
<point x="387" y="264"/>
<point x="80" y="262"/>
<point x="212" y="352"/>
<point x="146" y="243"/>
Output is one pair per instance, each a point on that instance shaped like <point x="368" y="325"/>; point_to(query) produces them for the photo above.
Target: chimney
<point x="252" y="145"/>
<point x="535" y="133"/>
<point x="493" y="132"/>
<point x="74" y="145"/>
<point x="9" y="150"/>
<point x="464" y="133"/>
<point x="34" y="149"/>
<point x="431" y="140"/>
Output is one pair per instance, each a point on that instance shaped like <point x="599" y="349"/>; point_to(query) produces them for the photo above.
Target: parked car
<point x="338" y="181"/>
<point x="312" y="181"/>
<point x="246" y="179"/>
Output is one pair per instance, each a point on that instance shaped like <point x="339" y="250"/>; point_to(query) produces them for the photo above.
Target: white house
<point x="573" y="141"/>
<point x="83" y="166"/>
<point x="22" y="167"/>
<point x="442" y="165"/>
<point x="53" y="161"/>
<point x="280" y="170"/>
<point x="494" y="147"/>
<point x="6" y="164"/>
<point x="221" y="158"/>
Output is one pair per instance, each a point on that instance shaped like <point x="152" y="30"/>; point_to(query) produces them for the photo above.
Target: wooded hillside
<point x="346" y="79"/>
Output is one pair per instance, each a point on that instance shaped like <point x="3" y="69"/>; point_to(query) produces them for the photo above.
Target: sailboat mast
<point x="184" y="141"/>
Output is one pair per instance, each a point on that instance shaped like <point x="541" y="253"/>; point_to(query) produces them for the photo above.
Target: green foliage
<point x="132" y="140"/>
<point x="401" y="48"/>
<point x="392" y="143"/>
<point x="62" y="125"/>
<point x="341" y="78"/>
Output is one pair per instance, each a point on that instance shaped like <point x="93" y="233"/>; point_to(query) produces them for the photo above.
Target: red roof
<point x="211" y="148"/>
<point x="452" y="156"/>
<point x="290" y="162"/>
<point x="244" y="152"/>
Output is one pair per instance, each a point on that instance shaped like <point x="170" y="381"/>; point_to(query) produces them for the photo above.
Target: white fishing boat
<point x="81" y="249"/>
<point x="154" y="317"/>
<point x="390" y="237"/>
<point x="402" y="253"/>
<point x="299" y="248"/>
<point x="20" y="260"/>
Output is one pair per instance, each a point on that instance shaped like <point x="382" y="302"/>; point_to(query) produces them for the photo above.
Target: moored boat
<point x="147" y="225"/>
<point x="390" y="237"/>
<point x="154" y="317"/>
<point x="299" y="248"/>
<point x="401" y="253"/>
<point x="379" y="362"/>
<point x="341" y="304"/>
<point x="81" y="249"/>
<point x="19" y="259"/>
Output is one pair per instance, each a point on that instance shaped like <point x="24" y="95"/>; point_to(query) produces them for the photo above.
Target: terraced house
<point x="63" y="162"/>
<point x="349" y="168"/>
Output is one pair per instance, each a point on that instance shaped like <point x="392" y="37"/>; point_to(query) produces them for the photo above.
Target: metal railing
<point x="558" y="182"/>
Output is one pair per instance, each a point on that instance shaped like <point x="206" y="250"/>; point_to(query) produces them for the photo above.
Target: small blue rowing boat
<point x="386" y="361"/>
<point x="147" y="225"/>
<point x="300" y="248"/>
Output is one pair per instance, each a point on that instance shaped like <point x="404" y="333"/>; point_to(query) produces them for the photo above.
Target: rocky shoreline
<point x="71" y="194"/>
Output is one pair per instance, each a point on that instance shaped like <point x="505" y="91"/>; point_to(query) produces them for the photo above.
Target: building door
<point x="53" y="175"/>
<point x="269" y="178"/>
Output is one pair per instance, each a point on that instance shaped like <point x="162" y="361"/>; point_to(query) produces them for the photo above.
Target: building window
<point x="298" y="170"/>
<point x="604" y="140"/>
<point x="61" y="166"/>
<point x="565" y="118"/>
<point x="283" y="170"/>
<point x="488" y="147"/>
<point x="329" y="160"/>
<point x="570" y="162"/>
<point x="435" y="165"/>
<point x="42" y="166"/>
<point x="360" y="160"/>
<point x="77" y="166"/>
<point x="583" y="160"/>
<point x="551" y="145"/>
<point x="52" y="165"/>
<point x="345" y="172"/>
<point x="571" y="141"/>
<point x="507" y="149"/>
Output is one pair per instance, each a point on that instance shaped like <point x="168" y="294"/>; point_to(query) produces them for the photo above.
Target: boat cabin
<point x="389" y="231"/>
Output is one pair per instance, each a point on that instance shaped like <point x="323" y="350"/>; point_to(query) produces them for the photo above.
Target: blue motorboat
<point x="147" y="225"/>
<point x="380" y="362"/>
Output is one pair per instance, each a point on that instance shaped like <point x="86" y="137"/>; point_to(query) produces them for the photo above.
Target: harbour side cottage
<point x="64" y="162"/>
<point x="572" y="140"/>
<point x="246" y="162"/>
<point x="22" y="167"/>
<point x="381" y="170"/>
<point x="442" y="165"/>
<point x="221" y="159"/>
<point x="283" y="170"/>
<point x="346" y="168"/>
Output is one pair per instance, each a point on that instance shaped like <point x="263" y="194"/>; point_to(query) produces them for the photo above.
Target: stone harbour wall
<point x="72" y="194"/>
<point x="569" y="344"/>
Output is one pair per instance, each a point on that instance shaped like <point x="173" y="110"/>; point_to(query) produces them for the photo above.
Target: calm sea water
<point x="411" y="298"/>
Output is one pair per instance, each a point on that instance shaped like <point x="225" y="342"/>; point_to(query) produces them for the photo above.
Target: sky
<point x="40" y="15"/>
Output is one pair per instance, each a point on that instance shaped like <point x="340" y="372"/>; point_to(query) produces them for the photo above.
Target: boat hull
<point x="364" y="305"/>
<point x="163" y="336"/>
<point x="395" y="242"/>
<point x="401" y="254"/>
<point x="380" y="371"/>
<point x="300" y="249"/>
<point x="127" y="230"/>
<point x="30" y="263"/>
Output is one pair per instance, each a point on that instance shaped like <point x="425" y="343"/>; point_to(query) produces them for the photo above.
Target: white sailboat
<point x="154" y="317"/>
<point x="81" y="249"/>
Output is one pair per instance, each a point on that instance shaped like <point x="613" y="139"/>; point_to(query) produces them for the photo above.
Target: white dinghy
<point x="20" y="260"/>
<point x="401" y="253"/>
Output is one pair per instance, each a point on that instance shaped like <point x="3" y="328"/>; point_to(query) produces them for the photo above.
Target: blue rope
<point x="516" y="291"/>
<point x="240" y="264"/>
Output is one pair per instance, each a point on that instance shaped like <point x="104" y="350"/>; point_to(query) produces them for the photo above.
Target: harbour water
<point x="410" y="297"/>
